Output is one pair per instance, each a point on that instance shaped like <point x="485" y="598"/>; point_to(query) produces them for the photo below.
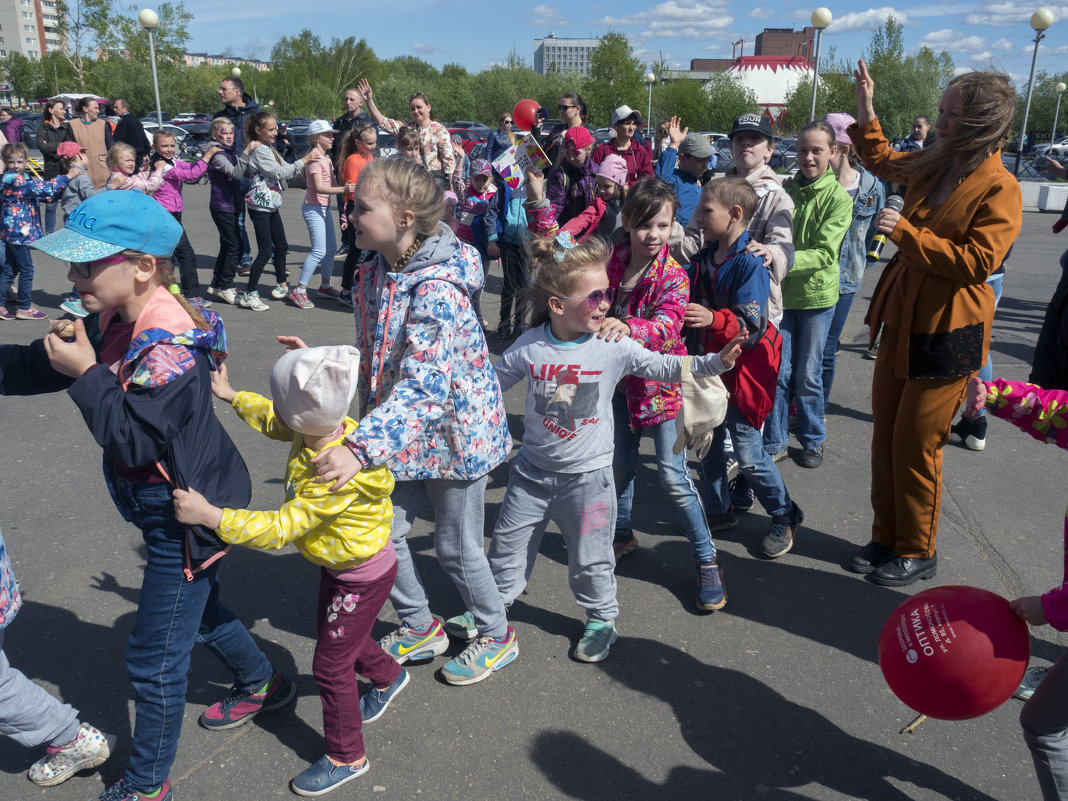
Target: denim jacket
<point x="853" y="257"/>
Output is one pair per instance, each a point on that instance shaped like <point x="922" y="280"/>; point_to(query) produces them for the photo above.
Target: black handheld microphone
<point x="878" y="242"/>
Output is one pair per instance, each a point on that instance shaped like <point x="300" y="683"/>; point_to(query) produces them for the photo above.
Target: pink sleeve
<point x="186" y="171"/>
<point x="586" y="222"/>
<point x="1042" y="413"/>
<point x="541" y="221"/>
<point x="661" y="330"/>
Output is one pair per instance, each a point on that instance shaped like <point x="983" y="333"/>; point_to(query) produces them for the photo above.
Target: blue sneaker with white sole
<point x="481" y="658"/>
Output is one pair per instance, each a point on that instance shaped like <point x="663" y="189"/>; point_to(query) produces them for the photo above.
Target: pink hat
<point x="578" y="138"/>
<point x="614" y="168"/>
<point x="840" y="121"/>
<point x="68" y="149"/>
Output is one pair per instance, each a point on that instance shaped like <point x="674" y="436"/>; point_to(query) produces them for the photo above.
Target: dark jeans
<point x="1049" y="365"/>
<point x="344" y="648"/>
<point x="269" y="233"/>
<point x="229" y="258"/>
<point x="17" y="260"/>
<point x="185" y="260"/>
<point x="172" y="615"/>
<point x="515" y="264"/>
<point x="353" y="259"/>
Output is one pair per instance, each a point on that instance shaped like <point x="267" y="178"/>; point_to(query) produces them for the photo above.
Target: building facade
<point x="30" y="27"/>
<point x="565" y="54"/>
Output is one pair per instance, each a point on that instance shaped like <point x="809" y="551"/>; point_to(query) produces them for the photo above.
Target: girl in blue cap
<point x="139" y="370"/>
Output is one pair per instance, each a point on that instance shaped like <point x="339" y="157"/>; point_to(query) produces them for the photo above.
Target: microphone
<point x="878" y="242"/>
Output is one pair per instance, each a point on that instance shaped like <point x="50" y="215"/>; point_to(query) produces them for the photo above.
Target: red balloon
<point x="525" y="114"/>
<point x="954" y="652"/>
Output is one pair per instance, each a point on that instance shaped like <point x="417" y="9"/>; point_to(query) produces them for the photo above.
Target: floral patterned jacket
<point x="654" y="312"/>
<point x="20" y="222"/>
<point x="1042" y="413"/>
<point x="430" y="402"/>
<point x="10" y="600"/>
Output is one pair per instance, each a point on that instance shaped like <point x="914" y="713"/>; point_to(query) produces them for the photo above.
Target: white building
<point x="30" y="27"/>
<point x="771" y="79"/>
<point x="568" y="55"/>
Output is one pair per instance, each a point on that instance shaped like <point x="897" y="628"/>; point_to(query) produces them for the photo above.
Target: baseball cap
<point x="578" y="138"/>
<point x="111" y="222"/>
<point x="480" y="167"/>
<point x="752" y="122"/>
<point x="625" y="113"/>
<point x="320" y="127"/>
<point x="68" y="149"/>
<point x="840" y="121"/>
<point x="695" y="145"/>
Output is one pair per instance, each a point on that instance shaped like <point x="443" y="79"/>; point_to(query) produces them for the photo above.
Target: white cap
<point x="623" y="113"/>
<point x="312" y="388"/>
<point x="321" y="126"/>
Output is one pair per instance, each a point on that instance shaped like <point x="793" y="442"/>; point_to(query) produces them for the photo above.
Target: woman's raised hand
<point x="865" y="92"/>
<point x="364" y="88"/>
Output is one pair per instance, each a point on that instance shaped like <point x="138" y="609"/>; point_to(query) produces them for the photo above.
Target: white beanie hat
<point x="313" y="387"/>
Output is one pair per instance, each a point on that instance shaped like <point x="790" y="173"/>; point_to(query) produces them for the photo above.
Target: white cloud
<point x="939" y="37"/>
<point x="426" y="49"/>
<point x="1002" y="14"/>
<point x="683" y="19"/>
<point x="1002" y="44"/>
<point x="761" y="13"/>
<point x="865" y="20"/>
<point x="542" y="16"/>
<point x="952" y="41"/>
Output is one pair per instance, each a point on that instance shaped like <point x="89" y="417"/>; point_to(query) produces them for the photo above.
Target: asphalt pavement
<point x="778" y="696"/>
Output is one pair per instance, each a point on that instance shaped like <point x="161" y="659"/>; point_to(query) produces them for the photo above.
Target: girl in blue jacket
<point x="139" y="370"/>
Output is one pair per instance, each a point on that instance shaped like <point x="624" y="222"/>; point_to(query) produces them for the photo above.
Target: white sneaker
<point x="227" y="295"/>
<point x="280" y="292"/>
<point x="89" y="749"/>
<point x="251" y="300"/>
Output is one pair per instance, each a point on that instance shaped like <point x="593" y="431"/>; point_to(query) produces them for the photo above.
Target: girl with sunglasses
<point x="563" y="472"/>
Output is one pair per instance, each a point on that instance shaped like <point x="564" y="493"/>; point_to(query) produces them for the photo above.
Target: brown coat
<point x="935" y="289"/>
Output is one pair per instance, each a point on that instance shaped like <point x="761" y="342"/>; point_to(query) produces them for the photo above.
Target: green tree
<point x="1043" y="107"/>
<point x="82" y="24"/>
<point x="125" y="37"/>
<point x="615" y="78"/>
<point x="22" y="73"/>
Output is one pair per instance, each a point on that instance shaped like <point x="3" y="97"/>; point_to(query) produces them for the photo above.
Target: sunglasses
<point x="564" y="107"/>
<point x="595" y="298"/>
<point x="506" y="122"/>
<point x="85" y="268"/>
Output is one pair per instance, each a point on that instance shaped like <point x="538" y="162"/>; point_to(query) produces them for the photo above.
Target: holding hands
<point x="697" y="316"/>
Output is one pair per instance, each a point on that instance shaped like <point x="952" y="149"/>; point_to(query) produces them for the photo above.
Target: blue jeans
<point x="323" y="243"/>
<point x="17" y="260"/>
<point x="172" y="615"/>
<point x="675" y="478"/>
<point x="804" y="335"/>
<point x="986" y="372"/>
<point x="754" y="463"/>
<point x="834" y="333"/>
<point x="50" y="216"/>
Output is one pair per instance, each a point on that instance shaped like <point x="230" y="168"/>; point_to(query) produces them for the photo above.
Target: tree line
<point x="309" y="75"/>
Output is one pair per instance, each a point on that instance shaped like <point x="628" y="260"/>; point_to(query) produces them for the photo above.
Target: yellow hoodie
<point x="338" y="530"/>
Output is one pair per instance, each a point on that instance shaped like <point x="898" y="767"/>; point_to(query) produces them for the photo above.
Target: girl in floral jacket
<point x="652" y="291"/>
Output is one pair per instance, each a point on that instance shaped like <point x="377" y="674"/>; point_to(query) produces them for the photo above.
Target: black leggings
<point x="226" y="263"/>
<point x="185" y="259"/>
<point x="269" y="233"/>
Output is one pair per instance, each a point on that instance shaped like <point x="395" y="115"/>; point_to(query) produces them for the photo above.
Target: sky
<point x="989" y="34"/>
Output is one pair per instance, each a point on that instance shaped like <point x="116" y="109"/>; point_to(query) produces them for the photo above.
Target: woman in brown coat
<point x="962" y="212"/>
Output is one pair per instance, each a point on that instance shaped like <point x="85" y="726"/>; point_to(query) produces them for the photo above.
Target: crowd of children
<point x="618" y="284"/>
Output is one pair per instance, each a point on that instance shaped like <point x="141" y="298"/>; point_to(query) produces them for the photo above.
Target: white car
<point x="1059" y="148"/>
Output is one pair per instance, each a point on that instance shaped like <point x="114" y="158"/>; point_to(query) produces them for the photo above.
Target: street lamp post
<point x="650" y="79"/>
<point x="1040" y="21"/>
<point x="236" y="72"/>
<point x="149" y="20"/>
<point x="820" y="19"/>
<point x="1060" y="91"/>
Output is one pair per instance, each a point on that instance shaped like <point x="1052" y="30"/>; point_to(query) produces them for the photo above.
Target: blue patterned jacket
<point x="10" y="601"/>
<point x="430" y="402"/>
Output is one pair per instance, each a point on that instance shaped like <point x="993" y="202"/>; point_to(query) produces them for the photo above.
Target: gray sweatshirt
<point x="568" y="422"/>
<point x="80" y="188"/>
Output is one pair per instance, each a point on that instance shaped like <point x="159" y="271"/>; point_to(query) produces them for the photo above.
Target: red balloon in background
<point x="954" y="652"/>
<point x="525" y="114"/>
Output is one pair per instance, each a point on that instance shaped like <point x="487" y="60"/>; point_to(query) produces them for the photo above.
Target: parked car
<point x="187" y="117"/>
<point x="31" y="121"/>
<point x="387" y="145"/>
<point x="485" y="130"/>
<point x="469" y="137"/>
<point x="185" y="149"/>
<point x="602" y="135"/>
<point x="1059" y="148"/>
<point x="152" y="117"/>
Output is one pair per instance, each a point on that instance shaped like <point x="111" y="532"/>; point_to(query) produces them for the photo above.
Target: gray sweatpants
<point x="459" y="517"/>
<point x="583" y="505"/>
<point x="28" y="713"/>
<point x="1045" y="729"/>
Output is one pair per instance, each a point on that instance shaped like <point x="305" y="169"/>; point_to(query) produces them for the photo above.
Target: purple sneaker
<point x="241" y="706"/>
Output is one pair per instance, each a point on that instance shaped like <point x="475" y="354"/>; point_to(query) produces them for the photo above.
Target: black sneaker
<point x="722" y="522"/>
<point x="780" y="537"/>
<point x="971" y="431"/>
<point x="711" y="595"/>
<point x="624" y="542"/>
<point x="742" y="494"/>
<point x="811" y="457"/>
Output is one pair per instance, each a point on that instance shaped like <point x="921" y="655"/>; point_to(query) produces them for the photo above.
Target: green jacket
<point x="823" y="212"/>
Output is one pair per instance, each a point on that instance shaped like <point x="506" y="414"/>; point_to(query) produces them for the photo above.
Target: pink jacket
<point x="1042" y="413"/>
<point x="169" y="194"/>
<point x="146" y="182"/>
<point x="541" y="219"/>
<point x="654" y="313"/>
